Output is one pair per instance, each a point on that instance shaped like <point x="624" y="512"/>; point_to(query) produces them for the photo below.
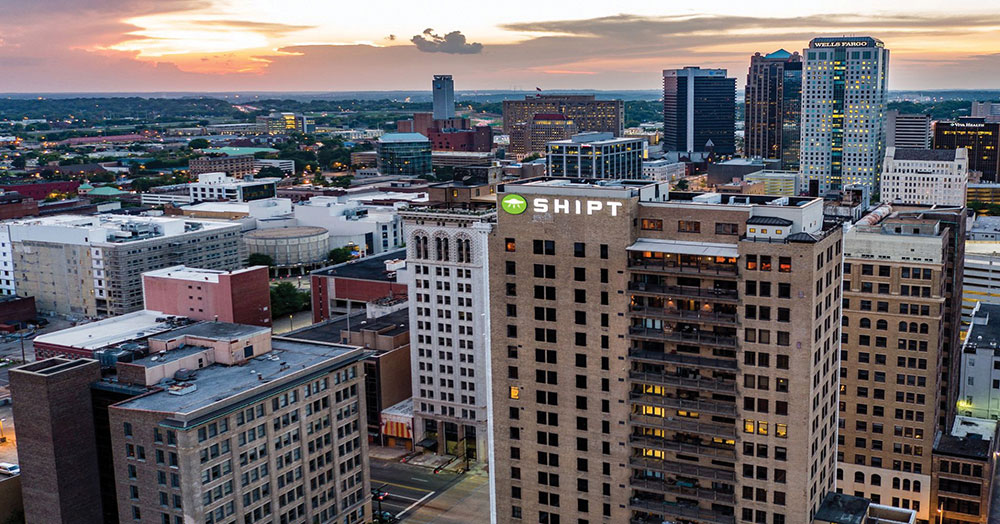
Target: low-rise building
<point x="283" y="123"/>
<point x="120" y="334"/>
<point x="237" y="166"/>
<point x="965" y="460"/>
<point x="220" y="186"/>
<point x="597" y="155"/>
<point x="242" y="296"/>
<point x="925" y="176"/>
<point x="663" y="169"/>
<point x="980" y="365"/>
<point x="785" y="183"/>
<point x="838" y="508"/>
<point x="347" y="287"/>
<point x="404" y="154"/>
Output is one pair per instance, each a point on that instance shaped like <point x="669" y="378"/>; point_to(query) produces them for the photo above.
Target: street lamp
<point x="290" y="322"/>
<point x="2" y="438"/>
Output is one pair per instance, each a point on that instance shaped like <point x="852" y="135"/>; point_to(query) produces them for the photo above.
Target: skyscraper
<point x="444" y="97"/>
<point x="843" y="111"/>
<point x="773" y="107"/>
<point x="588" y="113"/>
<point x="979" y="136"/>
<point x="662" y="356"/>
<point x="911" y="131"/>
<point x="699" y="111"/>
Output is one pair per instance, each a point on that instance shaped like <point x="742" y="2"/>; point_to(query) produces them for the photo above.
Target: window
<point x="579" y="249"/>
<point x="688" y="226"/>
<point x="724" y="228"/>
<point x="509" y="245"/>
<point x="651" y="224"/>
<point x="784" y="264"/>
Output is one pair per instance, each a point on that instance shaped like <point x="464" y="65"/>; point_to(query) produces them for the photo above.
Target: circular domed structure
<point x="290" y="247"/>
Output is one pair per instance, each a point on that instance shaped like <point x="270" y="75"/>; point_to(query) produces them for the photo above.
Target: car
<point x="9" y="469"/>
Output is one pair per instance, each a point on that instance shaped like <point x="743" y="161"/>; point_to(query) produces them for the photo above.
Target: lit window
<point x="762" y="428"/>
<point x="782" y="431"/>
<point x="748" y="426"/>
<point x="515" y="392"/>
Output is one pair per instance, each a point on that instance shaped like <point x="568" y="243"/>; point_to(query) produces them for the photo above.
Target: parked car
<point x="7" y="468"/>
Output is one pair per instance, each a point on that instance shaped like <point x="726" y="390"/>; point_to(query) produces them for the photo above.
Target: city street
<point x="409" y="487"/>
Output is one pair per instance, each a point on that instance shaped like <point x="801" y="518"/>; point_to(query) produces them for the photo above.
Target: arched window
<point x="876" y="480"/>
<point x="916" y="486"/>
<point x="924" y="328"/>
<point x="859" y="477"/>
<point x="906" y="484"/>
<point x="437" y="248"/>
<point x="840" y="474"/>
<point x="895" y="483"/>
<point x="866" y="323"/>
<point x="881" y="325"/>
<point x="420" y="246"/>
<point x="902" y="327"/>
<point x="913" y="327"/>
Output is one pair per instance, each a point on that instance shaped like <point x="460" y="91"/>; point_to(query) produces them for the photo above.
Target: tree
<point x="531" y="157"/>
<point x="681" y="185"/>
<point x="341" y="181"/>
<point x="286" y="300"/>
<point x="270" y="171"/>
<point x="19" y="162"/>
<point x="341" y="254"/>
<point x="198" y="143"/>
<point x="260" y="259"/>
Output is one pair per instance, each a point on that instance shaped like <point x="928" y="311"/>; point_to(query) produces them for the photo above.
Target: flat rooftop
<point x="984" y="332"/>
<point x="930" y="155"/>
<point x="970" y="438"/>
<point x="111" y="331"/>
<point x="367" y="268"/>
<point x="212" y="330"/>
<point x="195" y="274"/>
<point x="842" y="509"/>
<point x="395" y="323"/>
<point x="219" y="207"/>
<point x="218" y="386"/>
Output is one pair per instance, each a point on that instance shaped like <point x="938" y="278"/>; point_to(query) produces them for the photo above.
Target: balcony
<point x="704" y="317"/>
<point x="671" y="266"/>
<point x="699" y="338"/>
<point x="649" y="442"/>
<point x="687" y="470"/>
<point x="682" y="358"/>
<point x="688" y="425"/>
<point x="679" y="488"/>
<point x="704" y="384"/>
<point x="718" y="295"/>
<point x="675" y="509"/>
<point x="712" y="407"/>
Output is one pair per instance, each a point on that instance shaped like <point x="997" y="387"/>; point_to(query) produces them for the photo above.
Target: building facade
<point x="447" y="279"/>
<point x="597" y="155"/>
<point x="219" y="186"/>
<point x="240" y="297"/>
<point x="588" y="113"/>
<point x="283" y="123"/>
<point x="965" y="461"/>
<point x="699" y="111"/>
<point x="979" y="136"/>
<point x="237" y="166"/>
<point x="981" y="364"/>
<point x="103" y="258"/>
<point x="404" y="154"/>
<point x="925" y="176"/>
<point x="844" y="87"/>
<point x="911" y="131"/>
<point x="533" y="136"/>
<point x="443" y="89"/>
<point x="774" y="107"/>
<point x="675" y="358"/>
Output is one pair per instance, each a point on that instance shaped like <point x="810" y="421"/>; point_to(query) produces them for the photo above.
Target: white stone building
<point x="925" y="176"/>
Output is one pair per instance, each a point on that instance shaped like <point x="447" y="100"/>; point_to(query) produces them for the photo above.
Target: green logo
<point x="514" y="204"/>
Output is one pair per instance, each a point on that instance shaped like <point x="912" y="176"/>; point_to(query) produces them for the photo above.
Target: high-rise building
<point x="102" y="258"/>
<point x="662" y="356"/>
<point x="444" y="97"/>
<point x="236" y="166"/>
<point x="774" y="107"/>
<point x="980" y="137"/>
<point x="282" y="123"/>
<point x="844" y="89"/>
<point x="896" y="343"/>
<point x="404" y="154"/>
<point x="588" y="113"/>
<point x="596" y="155"/>
<point x="56" y="442"/>
<point x="534" y="136"/>
<point x="987" y="110"/>
<point x="912" y="131"/>
<point x="447" y="277"/>
<point x="699" y="110"/>
<point x="925" y="176"/>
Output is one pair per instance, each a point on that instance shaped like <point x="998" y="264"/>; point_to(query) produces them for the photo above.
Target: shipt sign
<point x="514" y="204"/>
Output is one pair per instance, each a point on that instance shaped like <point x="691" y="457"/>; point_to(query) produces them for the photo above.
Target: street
<point x="409" y="486"/>
<point x="12" y="349"/>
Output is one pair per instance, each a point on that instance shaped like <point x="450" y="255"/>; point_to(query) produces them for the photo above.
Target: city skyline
<point x="219" y="45"/>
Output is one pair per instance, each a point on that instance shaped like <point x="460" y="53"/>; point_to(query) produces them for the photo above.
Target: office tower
<point x="444" y="97"/>
<point x="925" y="176"/>
<point x="980" y="137"/>
<point x="404" y="154"/>
<point x="965" y="462"/>
<point x="257" y="430"/>
<point x="596" y="155"/>
<point x="774" y="107"/>
<point x="897" y="295"/>
<point x="912" y="131"/>
<point x="987" y="110"/>
<point x="102" y="258"/>
<point x="699" y="111"/>
<point x="56" y="443"/>
<point x="843" y="116"/>
<point x="589" y="114"/>
<point x="237" y="166"/>
<point x="446" y="276"/>
<point x="638" y="334"/>
<point x="241" y="297"/>
<point x="282" y="123"/>
<point x="534" y="136"/>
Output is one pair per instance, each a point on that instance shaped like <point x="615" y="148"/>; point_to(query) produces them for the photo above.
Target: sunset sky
<point x="337" y="45"/>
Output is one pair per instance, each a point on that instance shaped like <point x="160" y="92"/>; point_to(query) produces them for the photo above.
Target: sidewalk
<point x="466" y="502"/>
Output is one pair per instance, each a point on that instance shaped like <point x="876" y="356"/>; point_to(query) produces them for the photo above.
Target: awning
<point x="428" y="443"/>
<point x="685" y="248"/>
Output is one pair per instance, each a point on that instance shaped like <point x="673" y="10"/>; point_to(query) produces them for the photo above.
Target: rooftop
<point x="984" y="332"/>
<point x="404" y="408"/>
<point x="403" y="137"/>
<point x="842" y="509"/>
<point x="219" y="387"/>
<point x="213" y="331"/>
<point x="194" y="274"/>
<point x="970" y="438"/>
<point x="931" y="155"/>
<point x="112" y="331"/>
<point x="595" y="138"/>
<point x="287" y="232"/>
<point x="239" y="151"/>
<point x="395" y="323"/>
<point x="367" y="268"/>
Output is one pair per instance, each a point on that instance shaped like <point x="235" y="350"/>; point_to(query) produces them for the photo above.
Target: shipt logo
<point x="514" y="204"/>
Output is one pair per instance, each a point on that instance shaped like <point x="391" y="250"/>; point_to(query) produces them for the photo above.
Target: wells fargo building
<point x="662" y="356"/>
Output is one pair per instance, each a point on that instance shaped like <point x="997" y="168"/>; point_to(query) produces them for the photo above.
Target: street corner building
<point x="662" y="356"/>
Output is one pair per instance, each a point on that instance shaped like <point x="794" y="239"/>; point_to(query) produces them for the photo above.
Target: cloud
<point x="452" y="43"/>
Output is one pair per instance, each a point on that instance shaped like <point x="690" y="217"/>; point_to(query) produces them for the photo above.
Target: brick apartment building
<point x="242" y="296"/>
<point x="662" y="356"/>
